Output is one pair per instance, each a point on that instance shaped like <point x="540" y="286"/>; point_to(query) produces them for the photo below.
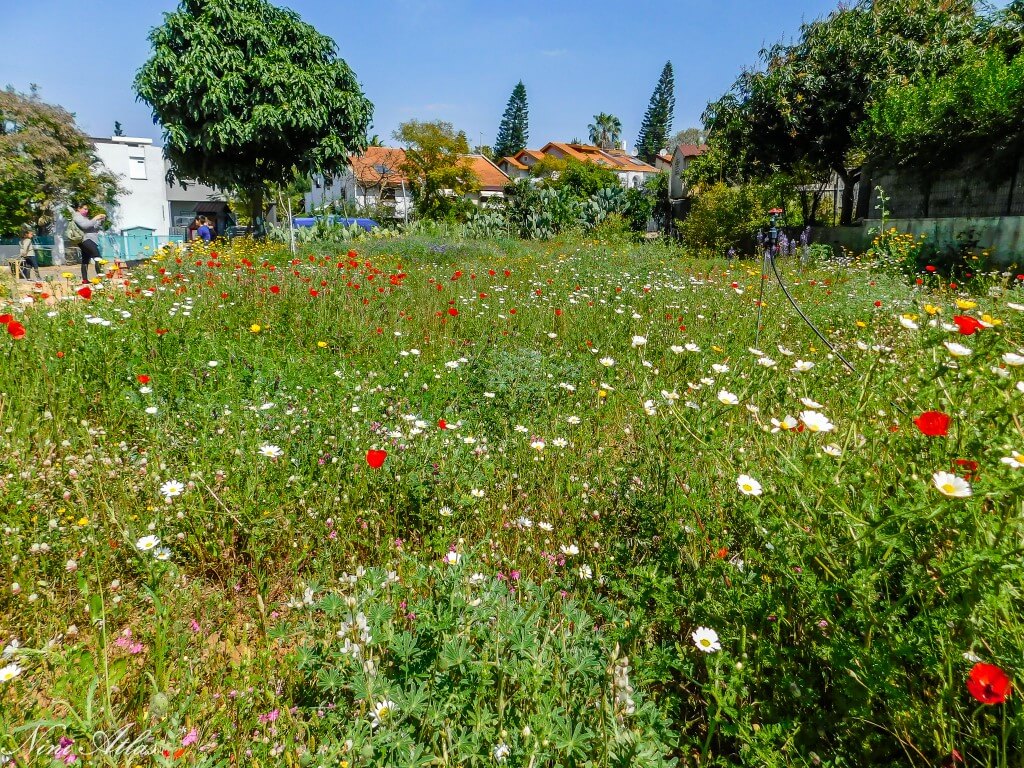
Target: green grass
<point x="850" y="598"/>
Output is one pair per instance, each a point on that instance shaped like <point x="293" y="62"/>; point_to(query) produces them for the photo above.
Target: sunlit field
<point x="468" y="504"/>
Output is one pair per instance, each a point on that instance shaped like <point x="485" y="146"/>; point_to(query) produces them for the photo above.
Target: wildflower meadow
<point x="473" y="503"/>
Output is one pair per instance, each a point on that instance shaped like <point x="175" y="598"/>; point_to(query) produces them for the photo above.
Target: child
<point x="27" y="254"/>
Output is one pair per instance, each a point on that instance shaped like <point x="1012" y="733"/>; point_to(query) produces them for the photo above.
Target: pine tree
<point x="514" y="131"/>
<point x="657" y="122"/>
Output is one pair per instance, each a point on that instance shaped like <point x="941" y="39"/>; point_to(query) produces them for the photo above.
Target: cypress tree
<point x="657" y="122"/>
<point x="514" y="131"/>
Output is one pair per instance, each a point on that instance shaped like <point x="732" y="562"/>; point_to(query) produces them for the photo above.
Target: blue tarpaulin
<point x="309" y="221"/>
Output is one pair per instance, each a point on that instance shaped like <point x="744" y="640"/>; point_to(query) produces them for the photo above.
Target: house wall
<point x="144" y="203"/>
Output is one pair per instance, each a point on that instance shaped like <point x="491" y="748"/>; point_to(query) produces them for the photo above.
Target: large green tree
<point x="45" y="162"/>
<point x="247" y="93"/>
<point x="438" y="171"/>
<point x="514" y="130"/>
<point x="802" y="113"/>
<point x="657" y="122"/>
<point x="605" y="130"/>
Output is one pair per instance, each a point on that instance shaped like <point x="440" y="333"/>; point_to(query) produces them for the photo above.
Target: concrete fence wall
<point x="1003" y="236"/>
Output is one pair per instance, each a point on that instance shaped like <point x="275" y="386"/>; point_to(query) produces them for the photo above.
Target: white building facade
<point x="139" y="167"/>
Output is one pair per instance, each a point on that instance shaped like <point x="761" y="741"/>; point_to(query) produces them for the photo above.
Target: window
<point x="136" y="167"/>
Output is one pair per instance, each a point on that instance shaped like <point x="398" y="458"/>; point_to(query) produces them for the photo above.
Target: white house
<point x="140" y="168"/>
<point x="631" y="171"/>
<point x="375" y="178"/>
<point x="682" y="156"/>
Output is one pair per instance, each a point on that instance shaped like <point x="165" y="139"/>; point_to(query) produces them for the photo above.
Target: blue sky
<point x="456" y="60"/>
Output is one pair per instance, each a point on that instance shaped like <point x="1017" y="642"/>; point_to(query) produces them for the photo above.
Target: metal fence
<point x="116" y="247"/>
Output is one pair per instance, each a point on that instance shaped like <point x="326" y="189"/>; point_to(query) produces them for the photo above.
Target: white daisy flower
<point x="727" y="398"/>
<point x="956" y="350"/>
<point x="951" y="485"/>
<point x="802" y="366"/>
<point x="1012" y="358"/>
<point x="748" y="486"/>
<point x="172" y="488"/>
<point x="9" y="672"/>
<point x="639" y="341"/>
<point x="1015" y="460"/>
<point x="607" y="362"/>
<point x="271" y="451"/>
<point x="816" y="422"/>
<point x="706" y="640"/>
<point x="147" y="543"/>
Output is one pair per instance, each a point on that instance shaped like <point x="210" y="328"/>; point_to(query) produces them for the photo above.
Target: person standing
<point x="204" y="230"/>
<point x="90" y="246"/>
<point x="27" y="254"/>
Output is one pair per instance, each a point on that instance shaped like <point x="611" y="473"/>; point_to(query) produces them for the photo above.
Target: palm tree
<point x="605" y="130"/>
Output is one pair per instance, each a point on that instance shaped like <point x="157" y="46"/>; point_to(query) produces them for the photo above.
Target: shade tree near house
<point x="247" y="93"/>
<point x="45" y="161"/>
<point x="801" y="114"/>
<point x="514" y="130"/>
<point x="657" y="122"/>
<point x="435" y="164"/>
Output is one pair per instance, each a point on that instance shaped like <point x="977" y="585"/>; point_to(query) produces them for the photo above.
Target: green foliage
<point x="657" y="122"/>
<point x="476" y="670"/>
<point x="246" y="93"/>
<point x="514" y="130"/>
<point x="802" y="113"/>
<point x="579" y="178"/>
<point x="439" y="173"/>
<point x="45" y="162"/>
<point x="724" y="217"/>
<point x="929" y="124"/>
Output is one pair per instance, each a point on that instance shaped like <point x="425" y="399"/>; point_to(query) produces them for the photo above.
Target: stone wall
<point x="1002" y="235"/>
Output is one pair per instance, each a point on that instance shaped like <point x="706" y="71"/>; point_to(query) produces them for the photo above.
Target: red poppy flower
<point x="376" y="458"/>
<point x="352" y="254"/>
<point x="224" y="295"/>
<point x="85" y="292"/>
<point x="16" y="329"/>
<point x="442" y="424"/>
<point x="453" y="311"/>
<point x="143" y="378"/>
<point x="988" y="684"/>
<point x="933" y="423"/>
<point x="161" y="331"/>
<point x="878" y="303"/>
<point x="967" y="467"/>
<point x="930" y="268"/>
<point x="6" y="319"/>
<point x="967" y="325"/>
<point x="275" y="289"/>
<point x="314" y="292"/>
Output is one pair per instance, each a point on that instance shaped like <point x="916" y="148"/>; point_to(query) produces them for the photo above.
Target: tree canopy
<point x="514" y="130"/>
<point x="438" y="171"/>
<point x="657" y="122"/>
<point x="803" y="112"/>
<point x="45" y="162"/>
<point x="247" y="92"/>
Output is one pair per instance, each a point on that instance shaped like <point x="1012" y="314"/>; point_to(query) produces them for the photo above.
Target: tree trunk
<point x="846" y="207"/>
<point x="256" y="201"/>
<point x="864" y="197"/>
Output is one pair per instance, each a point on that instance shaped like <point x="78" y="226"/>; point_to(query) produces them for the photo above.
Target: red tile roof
<point x="379" y="166"/>
<point x="514" y="163"/>
<point x="490" y="176"/>
<point x="693" y="150"/>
